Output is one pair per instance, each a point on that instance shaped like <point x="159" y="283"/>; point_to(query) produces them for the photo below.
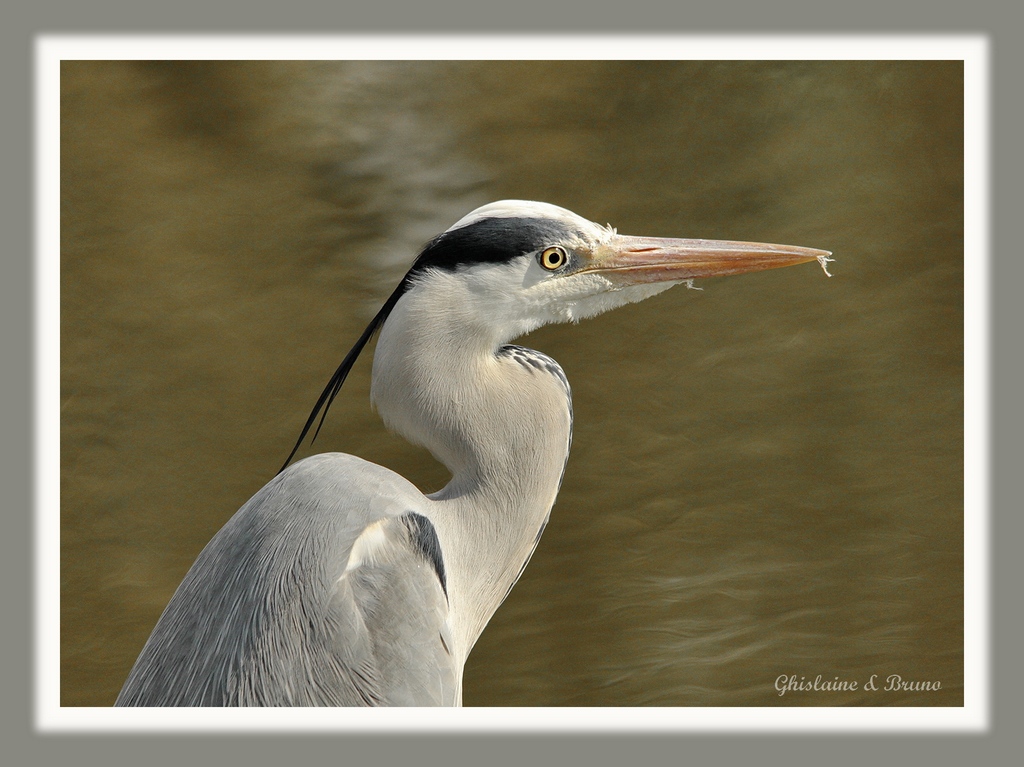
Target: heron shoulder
<point x="311" y="583"/>
<point x="379" y="506"/>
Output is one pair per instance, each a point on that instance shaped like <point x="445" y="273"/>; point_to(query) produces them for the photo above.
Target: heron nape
<point x="339" y="583"/>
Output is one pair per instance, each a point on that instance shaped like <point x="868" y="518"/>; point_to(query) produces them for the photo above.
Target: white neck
<point x="501" y="427"/>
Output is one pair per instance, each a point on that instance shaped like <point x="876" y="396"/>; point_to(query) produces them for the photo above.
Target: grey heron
<point x="339" y="583"/>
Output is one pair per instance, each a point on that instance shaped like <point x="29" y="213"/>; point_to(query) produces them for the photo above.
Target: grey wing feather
<point x="325" y="589"/>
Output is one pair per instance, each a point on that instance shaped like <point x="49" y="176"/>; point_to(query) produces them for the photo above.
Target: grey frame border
<point x="993" y="18"/>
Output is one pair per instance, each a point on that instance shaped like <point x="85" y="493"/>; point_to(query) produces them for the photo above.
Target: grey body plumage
<point x="273" y="587"/>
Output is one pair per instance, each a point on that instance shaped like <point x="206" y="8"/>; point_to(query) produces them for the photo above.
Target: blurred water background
<point x="766" y="476"/>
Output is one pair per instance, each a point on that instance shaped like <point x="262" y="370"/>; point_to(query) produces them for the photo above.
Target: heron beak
<point x="629" y="260"/>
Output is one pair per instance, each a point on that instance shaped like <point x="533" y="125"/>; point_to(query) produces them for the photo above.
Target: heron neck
<point x="501" y="426"/>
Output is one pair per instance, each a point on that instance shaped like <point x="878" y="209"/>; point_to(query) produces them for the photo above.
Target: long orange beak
<point x="635" y="260"/>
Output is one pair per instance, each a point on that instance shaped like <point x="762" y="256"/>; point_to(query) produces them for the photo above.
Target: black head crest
<point x="334" y="385"/>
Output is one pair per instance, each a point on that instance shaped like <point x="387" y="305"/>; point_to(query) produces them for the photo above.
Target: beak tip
<point x="824" y="260"/>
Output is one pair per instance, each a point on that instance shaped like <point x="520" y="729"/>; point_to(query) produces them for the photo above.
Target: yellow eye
<point x="553" y="258"/>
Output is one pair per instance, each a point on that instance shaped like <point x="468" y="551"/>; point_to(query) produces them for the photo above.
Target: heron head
<point x="522" y="264"/>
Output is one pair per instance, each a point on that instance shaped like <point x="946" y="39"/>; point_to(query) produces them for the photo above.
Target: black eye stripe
<point x="490" y="240"/>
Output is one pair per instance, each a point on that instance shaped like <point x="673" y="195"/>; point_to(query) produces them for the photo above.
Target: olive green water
<point x="766" y="476"/>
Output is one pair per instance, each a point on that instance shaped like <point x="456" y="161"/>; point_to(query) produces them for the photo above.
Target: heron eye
<point x="553" y="258"/>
